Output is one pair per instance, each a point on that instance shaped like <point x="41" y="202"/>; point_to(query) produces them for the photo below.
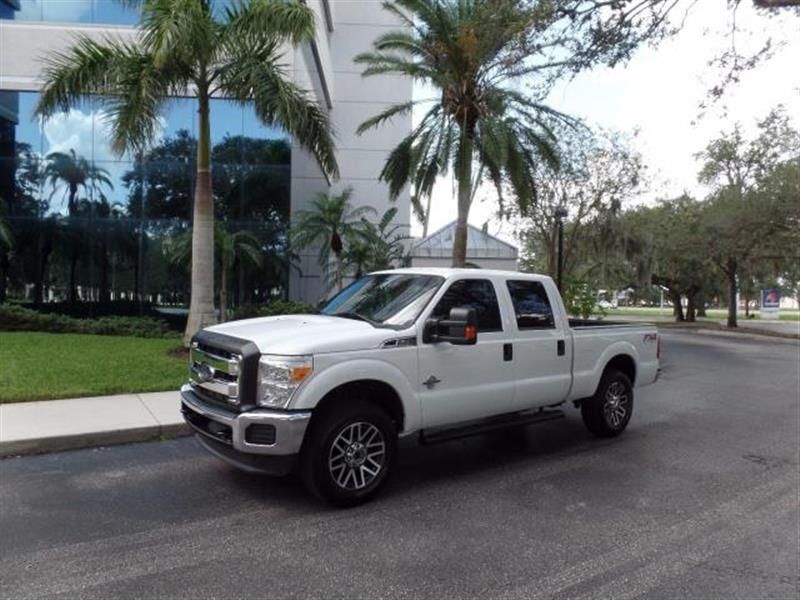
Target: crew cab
<point x="434" y="353"/>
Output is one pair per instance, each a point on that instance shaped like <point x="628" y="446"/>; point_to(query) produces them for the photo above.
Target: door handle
<point x="508" y="352"/>
<point x="561" y="347"/>
<point x="431" y="381"/>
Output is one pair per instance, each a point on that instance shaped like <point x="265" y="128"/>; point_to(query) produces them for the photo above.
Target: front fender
<point x="331" y="377"/>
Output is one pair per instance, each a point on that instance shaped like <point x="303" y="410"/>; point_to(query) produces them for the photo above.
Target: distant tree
<point x="599" y="175"/>
<point x="738" y="219"/>
<point x="326" y="225"/>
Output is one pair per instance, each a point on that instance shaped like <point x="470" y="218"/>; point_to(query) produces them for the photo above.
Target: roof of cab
<point x="450" y="272"/>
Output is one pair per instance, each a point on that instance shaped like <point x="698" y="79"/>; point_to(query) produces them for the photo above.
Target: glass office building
<point x="91" y="226"/>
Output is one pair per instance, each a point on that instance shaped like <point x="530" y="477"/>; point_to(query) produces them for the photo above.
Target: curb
<point x="92" y="440"/>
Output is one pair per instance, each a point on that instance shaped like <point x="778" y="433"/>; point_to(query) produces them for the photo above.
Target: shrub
<point x="271" y="309"/>
<point x="579" y="300"/>
<point x="17" y="318"/>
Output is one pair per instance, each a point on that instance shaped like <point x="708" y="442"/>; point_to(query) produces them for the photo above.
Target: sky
<point x="659" y="93"/>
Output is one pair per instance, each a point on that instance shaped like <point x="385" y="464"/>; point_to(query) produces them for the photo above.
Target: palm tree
<point x="375" y="247"/>
<point x="74" y="172"/>
<point x="229" y="247"/>
<point x="184" y="46"/>
<point x="472" y="52"/>
<point x="330" y="221"/>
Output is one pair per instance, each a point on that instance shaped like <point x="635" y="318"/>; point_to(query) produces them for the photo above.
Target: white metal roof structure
<point x="439" y="244"/>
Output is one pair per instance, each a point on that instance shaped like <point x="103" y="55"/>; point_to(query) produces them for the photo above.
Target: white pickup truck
<point x="437" y="353"/>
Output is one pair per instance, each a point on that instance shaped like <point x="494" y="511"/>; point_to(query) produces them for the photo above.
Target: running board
<point x="446" y="434"/>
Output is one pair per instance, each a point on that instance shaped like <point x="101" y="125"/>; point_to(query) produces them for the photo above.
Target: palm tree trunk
<point x="201" y="306"/>
<point x="427" y="216"/>
<point x="223" y="292"/>
<point x="464" y="197"/>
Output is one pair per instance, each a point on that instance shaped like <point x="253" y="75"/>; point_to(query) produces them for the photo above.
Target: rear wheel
<point x="349" y="453"/>
<point x="608" y="412"/>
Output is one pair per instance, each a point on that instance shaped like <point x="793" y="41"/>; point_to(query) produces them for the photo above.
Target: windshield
<point x="394" y="300"/>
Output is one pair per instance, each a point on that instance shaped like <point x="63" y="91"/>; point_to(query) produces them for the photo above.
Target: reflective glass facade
<point x="101" y="12"/>
<point x="91" y="226"/>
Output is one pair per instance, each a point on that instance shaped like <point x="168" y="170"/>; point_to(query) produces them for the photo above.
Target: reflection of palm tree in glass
<point x="6" y="244"/>
<point x="73" y="172"/>
<point x="229" y="248"/>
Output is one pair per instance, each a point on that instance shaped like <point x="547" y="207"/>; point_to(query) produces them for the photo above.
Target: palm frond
<point x="177" y="31"/>
<point x="121" y="76"/>
<point x="279" y="101"/>
<point x="391" y="112"/>
<point x="293" y="21"/>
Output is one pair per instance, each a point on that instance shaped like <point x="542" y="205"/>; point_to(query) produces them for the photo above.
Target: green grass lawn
<point x="39" y="366"/>
<point x="712" y="313"/>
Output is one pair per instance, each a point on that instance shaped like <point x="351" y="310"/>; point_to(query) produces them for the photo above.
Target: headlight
<point x="279" y="377"/>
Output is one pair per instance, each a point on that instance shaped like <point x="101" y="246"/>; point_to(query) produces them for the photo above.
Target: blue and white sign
<point x="770" y="304"/>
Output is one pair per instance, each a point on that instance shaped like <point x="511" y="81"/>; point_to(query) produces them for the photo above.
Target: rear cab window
<point x="532" y="308"/>
<point x="473" y="293"/>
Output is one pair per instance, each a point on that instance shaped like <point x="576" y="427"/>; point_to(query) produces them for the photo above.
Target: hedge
<point x="17" y="318"/>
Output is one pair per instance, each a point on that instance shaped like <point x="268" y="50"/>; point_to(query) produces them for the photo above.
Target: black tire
<point x="345" y="444"/>
<point x="608" y="412"/>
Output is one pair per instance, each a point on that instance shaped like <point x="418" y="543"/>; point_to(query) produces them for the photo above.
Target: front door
<point x="462" y="383"/>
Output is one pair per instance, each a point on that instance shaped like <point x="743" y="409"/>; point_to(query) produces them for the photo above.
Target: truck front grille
<point x="215" y="372"/>
<point x="223" y="370"/>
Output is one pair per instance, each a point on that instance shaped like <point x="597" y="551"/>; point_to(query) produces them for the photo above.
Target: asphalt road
<point x="699" y="499"/>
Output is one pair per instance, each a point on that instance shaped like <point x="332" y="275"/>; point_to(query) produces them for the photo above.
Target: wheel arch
<point x="624" y="363"/>
<point x="374" y="391"/>
<point x="373" y="380"/>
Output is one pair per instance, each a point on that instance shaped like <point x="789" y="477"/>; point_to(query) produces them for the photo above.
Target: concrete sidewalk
<point x="53" y="425"/>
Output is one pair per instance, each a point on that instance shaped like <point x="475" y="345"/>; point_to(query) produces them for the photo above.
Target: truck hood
<point x="306" y="334"/>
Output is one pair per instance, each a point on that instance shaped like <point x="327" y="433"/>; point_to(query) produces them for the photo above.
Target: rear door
<point x="542" y="351"/>
<point x="462" y="383"/>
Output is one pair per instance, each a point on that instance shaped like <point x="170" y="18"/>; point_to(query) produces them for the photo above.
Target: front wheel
<point x="608" y="412"/>
<point x="349" y="453"/>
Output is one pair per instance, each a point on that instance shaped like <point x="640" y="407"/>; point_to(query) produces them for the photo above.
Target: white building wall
<point x="355" y="25"/>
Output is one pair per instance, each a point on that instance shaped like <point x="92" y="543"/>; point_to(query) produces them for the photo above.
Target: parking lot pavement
<point x="698" y="499"/>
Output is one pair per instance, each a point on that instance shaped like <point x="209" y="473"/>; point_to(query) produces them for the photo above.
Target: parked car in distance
<point x="435" y="353"/>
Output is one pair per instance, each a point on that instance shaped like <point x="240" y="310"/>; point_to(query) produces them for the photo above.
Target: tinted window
<point x="473" y="293"/>
<point x="531" y="305"/>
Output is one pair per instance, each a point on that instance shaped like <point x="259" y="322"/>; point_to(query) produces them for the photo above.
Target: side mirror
<point x="460" y="328"/>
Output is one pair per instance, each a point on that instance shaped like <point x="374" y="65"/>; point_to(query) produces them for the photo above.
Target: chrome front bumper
<point x="290" y="427"/>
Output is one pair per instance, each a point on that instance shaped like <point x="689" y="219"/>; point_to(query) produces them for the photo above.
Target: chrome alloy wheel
<point x="357" y="456"/>
<point x="615" y="407"/>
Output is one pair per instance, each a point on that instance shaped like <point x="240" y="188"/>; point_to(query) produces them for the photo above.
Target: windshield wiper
<point x="356" y="316"/>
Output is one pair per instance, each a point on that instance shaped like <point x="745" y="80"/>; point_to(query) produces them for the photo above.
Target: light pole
<point x="561" y="214"/>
